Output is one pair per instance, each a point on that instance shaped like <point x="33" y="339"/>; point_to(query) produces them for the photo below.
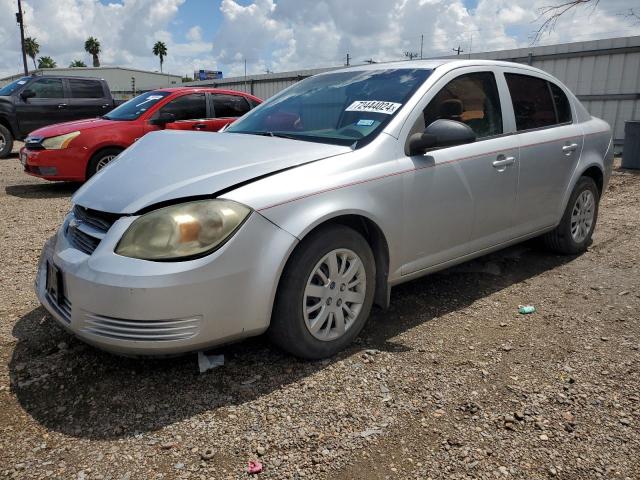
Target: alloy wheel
<point x="582" y="216"/>
<point x="104" y="161"/>
<point x="334" y="294"/>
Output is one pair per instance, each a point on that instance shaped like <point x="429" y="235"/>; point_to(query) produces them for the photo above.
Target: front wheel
<point x="101" y="160"/>
<point x="6" y="141"/>
<point x="573" y="234"/>
<point x="325" y="294"/>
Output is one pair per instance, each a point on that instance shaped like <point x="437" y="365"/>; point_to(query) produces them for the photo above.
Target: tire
<point x="6" y="141"/>
<point x="572" y="236"/>
<point x="100" y="160"/>
<point x="290" y="329"/>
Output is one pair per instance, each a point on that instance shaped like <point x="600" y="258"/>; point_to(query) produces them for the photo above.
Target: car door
<point x="550" y="147"/>
<point x="461" y="199"/>
<point x="46" y="107"/>
<point x="228" y="108"/>
<point x="190" y="112"/>
<point x="87" y="98"/>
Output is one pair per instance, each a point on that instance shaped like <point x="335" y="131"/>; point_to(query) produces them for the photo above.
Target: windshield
<point x="135" y="107"/>
<point x="11" y="87"/>
<point x="343" y="108"/>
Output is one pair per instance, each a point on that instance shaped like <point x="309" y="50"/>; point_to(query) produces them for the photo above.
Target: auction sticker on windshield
<point x="375" y="106"/>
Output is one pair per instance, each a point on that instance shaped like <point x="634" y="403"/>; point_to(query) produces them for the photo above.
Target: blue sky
<point x="282" y="35"/>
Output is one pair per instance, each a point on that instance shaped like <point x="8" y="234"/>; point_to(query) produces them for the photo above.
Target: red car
<point x="74" y="151"/>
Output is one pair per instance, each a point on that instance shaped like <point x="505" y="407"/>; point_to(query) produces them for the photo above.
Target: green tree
<point x="160" y="50"/>
<point x="77" y="63"/>
<point x="187" y="78"/>
<point x="46" y="62"/>
<point x="32" y="48"/>
<point x="92" y="46"/>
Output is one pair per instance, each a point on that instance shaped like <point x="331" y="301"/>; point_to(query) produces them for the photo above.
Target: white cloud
<point x="290" y="34"/>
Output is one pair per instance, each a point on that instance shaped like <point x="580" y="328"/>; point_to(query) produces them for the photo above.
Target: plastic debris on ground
<point x="208" y="362"/>
<point x="525" y="309"/>
<point x="254" y="467"/>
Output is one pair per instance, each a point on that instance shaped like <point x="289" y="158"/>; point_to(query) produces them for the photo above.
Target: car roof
<point x="435" y="63"/>
<point x="203" y="89"/>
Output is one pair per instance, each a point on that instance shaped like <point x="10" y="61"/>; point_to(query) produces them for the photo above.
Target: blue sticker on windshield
<point x="365" y="123"/>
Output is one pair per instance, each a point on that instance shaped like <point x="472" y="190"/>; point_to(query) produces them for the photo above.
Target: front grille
<point x="141" y="330"/>
<point x="99" y="222"/>
<point x="63" y="308"/>
<point x="82" y="241"/>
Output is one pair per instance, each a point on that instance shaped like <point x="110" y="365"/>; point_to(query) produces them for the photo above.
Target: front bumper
<point x="139" y="307"/>
<point x="67" y="164"/>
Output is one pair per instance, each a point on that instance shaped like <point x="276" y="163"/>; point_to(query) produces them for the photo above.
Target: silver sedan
<point x="310" y="208"/>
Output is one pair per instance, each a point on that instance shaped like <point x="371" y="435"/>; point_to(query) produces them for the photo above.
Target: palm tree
<point x="92" y="46"/>
<point x="46" y="62"/>
<point x="32" y="48"/>
<point x="160" y="50"/>
<point x="77" y="63"/>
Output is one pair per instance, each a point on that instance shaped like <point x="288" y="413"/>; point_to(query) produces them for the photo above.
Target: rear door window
<point x="532" y="102"/>
<point x="563" y="108"/>
<point x="47" y="88"/>
<point x="187" y="107"/>
<point x="472" y="99"/>
<point x="229" y="105"/>
<point x="86" y="88"/>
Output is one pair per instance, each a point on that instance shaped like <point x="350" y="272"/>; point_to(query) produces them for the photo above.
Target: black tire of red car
<point x="6" y="140"/>
<point x="560" y="240"/>
<point x="288" y="329"/>
<point x="98" y="157"/>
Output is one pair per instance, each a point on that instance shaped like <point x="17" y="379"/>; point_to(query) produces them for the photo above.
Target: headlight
<point x="59" y="142"/>
<point x="184" y="230"/>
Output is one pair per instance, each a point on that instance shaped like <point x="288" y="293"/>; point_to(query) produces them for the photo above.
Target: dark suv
<point x="30" y="103"/>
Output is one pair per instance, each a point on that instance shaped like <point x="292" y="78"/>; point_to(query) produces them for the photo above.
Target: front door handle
<point x="503" y="162"/>
<point x="62" y="105"/>
<point x="568" y="149"/>
<point x="199" y="126"/>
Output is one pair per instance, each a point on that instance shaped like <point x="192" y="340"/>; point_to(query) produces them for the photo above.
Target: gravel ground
<point x="450" y="382"/>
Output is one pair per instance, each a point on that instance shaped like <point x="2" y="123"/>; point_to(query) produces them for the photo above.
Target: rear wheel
<point x="325" y="294"/>
<point x="101" y="160"/>
<point x="6" y="141"/>
<point x="573" y="234"/>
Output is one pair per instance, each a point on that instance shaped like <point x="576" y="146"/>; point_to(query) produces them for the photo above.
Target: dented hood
<point x="167" y="165"/>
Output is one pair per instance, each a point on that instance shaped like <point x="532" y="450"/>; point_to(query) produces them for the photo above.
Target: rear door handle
<point x="502" y="162"/>
<point x="570" y="148"/>
<point x="62" y="105"/>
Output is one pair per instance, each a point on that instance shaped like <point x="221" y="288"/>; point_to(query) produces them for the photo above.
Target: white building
<point x="121" y="80"/>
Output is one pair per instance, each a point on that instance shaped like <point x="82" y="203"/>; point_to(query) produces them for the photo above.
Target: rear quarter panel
<point x="597" y="151"/>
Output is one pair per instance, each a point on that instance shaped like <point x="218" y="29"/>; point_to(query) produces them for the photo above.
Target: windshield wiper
<point x="272" y="134"/>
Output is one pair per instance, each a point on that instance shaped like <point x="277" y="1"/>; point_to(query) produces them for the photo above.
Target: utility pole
<point x="458" y="50"/>
<point x="348" y="60"/>
<point x="20" y="20"/>
<point x="245" y="74"/>
<point x="421" y="44"/>
<point x="133" y="86"/>
<point x="371" y="61"/>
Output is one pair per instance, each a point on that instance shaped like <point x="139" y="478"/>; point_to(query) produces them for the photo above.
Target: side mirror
<point x="26" y="94"/>
<point x="441" y="133"/>
<point x="162" y="119"/>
